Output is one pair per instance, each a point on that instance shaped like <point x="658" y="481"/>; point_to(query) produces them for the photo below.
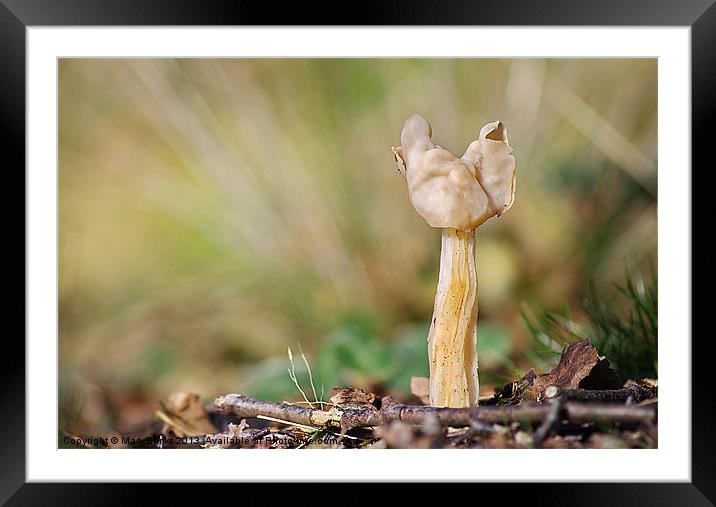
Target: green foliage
<point x="624" y="328"/>
<point x="354" y="354"/>
<point x="354" y="348"/>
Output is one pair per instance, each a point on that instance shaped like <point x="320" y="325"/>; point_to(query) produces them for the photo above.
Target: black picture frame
<point x="17" y="15"/>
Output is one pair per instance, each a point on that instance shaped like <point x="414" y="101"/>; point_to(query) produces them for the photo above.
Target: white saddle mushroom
<point x="457" y="195"/>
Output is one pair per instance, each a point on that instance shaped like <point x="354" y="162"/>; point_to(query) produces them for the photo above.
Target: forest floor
<point x="580" y="403"/>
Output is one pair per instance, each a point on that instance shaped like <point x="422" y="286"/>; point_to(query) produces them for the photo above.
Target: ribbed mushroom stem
<point x="452" y="342"/>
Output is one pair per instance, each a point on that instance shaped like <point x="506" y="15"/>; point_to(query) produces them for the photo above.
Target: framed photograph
<point x="420" y="244"/>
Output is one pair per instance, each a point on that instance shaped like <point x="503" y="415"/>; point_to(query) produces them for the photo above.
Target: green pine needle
<point x="624" y="328"/>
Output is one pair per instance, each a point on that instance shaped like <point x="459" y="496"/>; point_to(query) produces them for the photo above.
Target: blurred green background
<point x="213" y="213"/>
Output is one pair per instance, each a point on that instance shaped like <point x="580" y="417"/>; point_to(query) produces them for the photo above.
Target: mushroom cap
<point x="460" y="193"/>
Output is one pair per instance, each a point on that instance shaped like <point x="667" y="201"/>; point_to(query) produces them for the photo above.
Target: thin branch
<point x="549" y="421"/>
<point x="574" y="411"/>
<point x="635" y="392"/>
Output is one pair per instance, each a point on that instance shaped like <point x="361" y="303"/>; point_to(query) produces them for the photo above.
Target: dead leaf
<point x="185" y="415"/>
<point x="580" y="366"/>
<point x="350" y="395"/>
<point x="232" y="438"/>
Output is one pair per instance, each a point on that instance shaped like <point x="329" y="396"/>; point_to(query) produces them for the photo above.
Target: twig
<point x="245" y="406"/>
<point x="634" y="392"/>
<point x="591" y="412"/>
<point x="549" y="421"/>
<point x="415" y="414"/>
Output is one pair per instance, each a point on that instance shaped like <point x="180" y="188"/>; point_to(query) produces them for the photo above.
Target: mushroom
<point x="457" y="195"/>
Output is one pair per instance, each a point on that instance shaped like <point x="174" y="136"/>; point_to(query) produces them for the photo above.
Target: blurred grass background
<point x="213" y="213"/>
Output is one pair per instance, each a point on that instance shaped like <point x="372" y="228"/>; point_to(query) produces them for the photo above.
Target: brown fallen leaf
<point x="580" y="366"/>
<point x="185" y="415"/>
<point x="350" y="396"/>
<point x="232" y="438"/>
